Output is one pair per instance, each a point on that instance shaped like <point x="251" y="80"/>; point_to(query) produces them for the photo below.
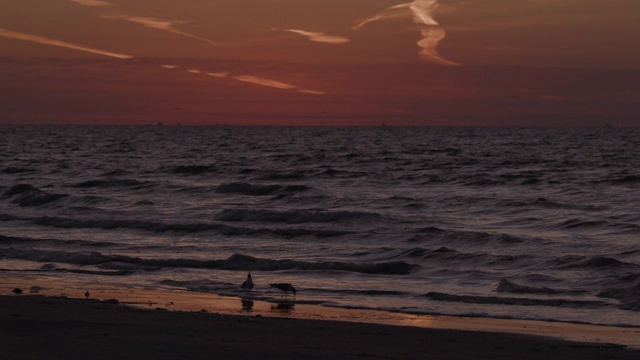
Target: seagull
<point x="247" y="284"/>
<point x="17" y="291"/>
<point x="285" y="287"/>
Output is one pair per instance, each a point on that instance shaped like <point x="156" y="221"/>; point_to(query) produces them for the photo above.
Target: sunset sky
<point x="320" y="62"/>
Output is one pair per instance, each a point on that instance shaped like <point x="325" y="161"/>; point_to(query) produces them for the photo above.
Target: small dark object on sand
<point x="86" y="295"/>
<point x="285" y="287"/>
<point x="17" y="291"/>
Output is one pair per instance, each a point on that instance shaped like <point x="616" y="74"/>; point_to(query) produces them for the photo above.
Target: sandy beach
<point x="54" y="327"/>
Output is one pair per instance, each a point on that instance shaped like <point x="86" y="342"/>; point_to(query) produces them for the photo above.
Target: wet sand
<point x="47" y="327"/>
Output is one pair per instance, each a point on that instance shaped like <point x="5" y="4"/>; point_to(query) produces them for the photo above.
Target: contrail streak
<point x="59" y="43"/>
<point x="320" y="37"/>
<point x="388" y="13"/>
<point x="421" y="12"/>
<point x="251" y="79"/>
<point x="264" y="82"/>
<point x="149" y="22"/>
<point x="164" y="25"/>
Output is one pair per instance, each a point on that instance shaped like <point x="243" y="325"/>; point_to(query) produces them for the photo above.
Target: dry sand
<point x="39" y="327"/>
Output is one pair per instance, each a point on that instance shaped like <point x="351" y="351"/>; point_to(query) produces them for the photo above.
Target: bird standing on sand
<point x="247" y="284"/>
<point x="285" y="287"/>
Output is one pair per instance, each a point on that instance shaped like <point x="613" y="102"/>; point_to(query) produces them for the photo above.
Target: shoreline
<point x="170" y="301"/>
<point x="36" y="326"/>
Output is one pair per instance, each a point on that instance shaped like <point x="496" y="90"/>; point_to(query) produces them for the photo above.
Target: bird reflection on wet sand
<point x="283" y="307"/>
<point x="247" y="304"/>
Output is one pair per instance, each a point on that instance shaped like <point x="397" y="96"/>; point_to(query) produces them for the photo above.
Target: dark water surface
<point x="507" y="222"/>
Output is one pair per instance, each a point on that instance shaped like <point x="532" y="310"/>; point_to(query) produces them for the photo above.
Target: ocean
<point x="527" y="223"/>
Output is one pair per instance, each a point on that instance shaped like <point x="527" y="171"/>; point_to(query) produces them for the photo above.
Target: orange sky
<point x="320" y="62"/>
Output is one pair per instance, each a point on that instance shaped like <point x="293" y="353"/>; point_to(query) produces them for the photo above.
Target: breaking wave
<point x="510" y="287"/>
<point x="234" y="262"/>
<point x="159" y="227"/>
<point x="27" y="195"/>
<point x="496" y="300"/>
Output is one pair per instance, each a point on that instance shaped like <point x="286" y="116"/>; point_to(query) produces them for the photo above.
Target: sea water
<point x="497" y="222"/>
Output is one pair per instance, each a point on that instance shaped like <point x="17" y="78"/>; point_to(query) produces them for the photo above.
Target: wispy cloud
<point x="320" y="37"/>
<point x="392" y="12"/>
<point x="275" y="84"/>
<point x="153" y="23"/>
<point x="92" y="3"/>
<point x="218" y="74"/>
<point x="422" y="10"/>
<point x="59" y="43"/>
<point x="422" y="14"/>
<point x="311" y="92"/>
<point x="429" y="43"/>
<point x="164" y="25"/>
<point x="249" y="79"/>
<point x="264" y="82"/>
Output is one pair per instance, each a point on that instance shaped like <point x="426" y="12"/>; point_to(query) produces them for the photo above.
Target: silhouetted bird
<point x="285" y="287"/>
<point x="247" y="284"/>
<point x="86" y="295"/>
<point x="17" y="291"/>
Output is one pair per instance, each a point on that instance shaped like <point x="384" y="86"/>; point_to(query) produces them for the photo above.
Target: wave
<point x="234" y="262"/>
<point x="193" y="169"/>
<point x="579" y="224"/>
<point x="20" y="189"/>
<point x="521" y="178"/>
<point x="286" y="176"/>
<point x="584" y="262"/>
<point x="626" y="180"/>
<point x="9" y="217"/>
<point x="483" y="182"/>
<point x="68" y="223"/>
<point x="244" y="262"/>
<point x="258" y="190"/>
<point x="84" y="201"/>
<point x="27" y="196"/>
<point x="431" y="233"/>
<point x="510" y="287"/>
<point x="548" y="204"/>
<point x="446" y="254"/>
<point x="16" y="170"/>
<point x="496" y="300"/>
<point x="9" y="240"/>
<point x="54" y="268"/>
<point x="292" y="216"/>
<point x="100" y="183"/>
<point x="116" y="172"/>
<point x="629" y="297"/>
<point x="360" y="292"/>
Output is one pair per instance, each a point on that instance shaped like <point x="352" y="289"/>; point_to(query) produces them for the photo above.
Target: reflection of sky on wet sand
<point x="192" y="301"/>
